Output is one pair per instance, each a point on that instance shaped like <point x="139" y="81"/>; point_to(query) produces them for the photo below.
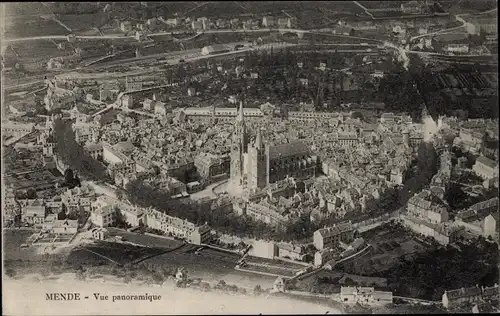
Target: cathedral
<point x="255" y="165"/>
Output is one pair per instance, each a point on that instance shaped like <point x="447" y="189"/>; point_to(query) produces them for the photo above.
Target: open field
<point x="12" y="245"/>
<point x="145" y="240"/>
<point x="32" y="26"/>
<point x="382" y="4"/>
<point x="212" y="265"/>
<point x="290" y="265"/>
<point x="271" y="269"/>
<point x="14" y="9"/>
<point x="83" y="22"/>
<point x="388" y="245"/>
<point x="37" y="50"/>
<point x="121" y="253"/>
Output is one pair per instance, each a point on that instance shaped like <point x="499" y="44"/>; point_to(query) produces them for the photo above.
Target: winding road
<point x="459" y="18"/>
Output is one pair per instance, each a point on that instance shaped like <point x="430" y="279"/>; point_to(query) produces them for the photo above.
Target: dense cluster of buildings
<point x="107" y="211"/>
<point x="470" y="295"/>
<point x="335" y="243"/>
<point x="366" y="296"/>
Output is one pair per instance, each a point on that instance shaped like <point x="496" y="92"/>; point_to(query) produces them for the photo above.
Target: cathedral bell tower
<point x="257" y="163"/>
<point x="238" y="149"/>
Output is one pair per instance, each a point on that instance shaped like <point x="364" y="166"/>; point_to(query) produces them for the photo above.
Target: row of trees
<point x="74" y="155"/>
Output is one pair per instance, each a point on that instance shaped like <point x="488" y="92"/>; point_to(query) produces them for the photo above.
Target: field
<point x="218" y="9"/>
<point x="13" y="239"/>
<point x="271" y="269"/>
<point x="38" y="50"/>
<point x="285" y="264"/>
<point x="145" y="240"/>
<point x="28" y="26"/>
<point x="381" y="4"/>
<point x="37" y="179"/>
<point x="24" y="170"/>
<point x="460" y="80"/>
<point x="106" y="252"/>
<point x="83" y="22"/>
<point x="211" y="265"/>
<point x="467" y="6"/>
<point x="388" y="245"/>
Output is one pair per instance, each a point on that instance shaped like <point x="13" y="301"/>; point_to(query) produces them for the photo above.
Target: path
<point x="64" y="37"/>
<point x="418" y="301"/>
<point x="55" y="19"/>
<point x="364" y="8"/>
<point x="102" y="256"/>
<point x="459" y="18"/>
<point x="198" y="6"/>
<point x="101" y="189"/>
<point x="158" y="254"/>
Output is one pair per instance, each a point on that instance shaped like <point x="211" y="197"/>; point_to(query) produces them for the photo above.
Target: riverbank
<point x="173" y="300"/>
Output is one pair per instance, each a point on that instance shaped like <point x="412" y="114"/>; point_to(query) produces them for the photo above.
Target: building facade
<point x="256" y="165"/>
<point x="332" y="236"/>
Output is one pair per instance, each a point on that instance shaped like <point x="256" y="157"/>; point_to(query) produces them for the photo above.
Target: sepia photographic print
<point x="250" y="157"/>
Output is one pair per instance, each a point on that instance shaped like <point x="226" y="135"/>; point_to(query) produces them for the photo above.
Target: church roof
<point x="292" y="148"/>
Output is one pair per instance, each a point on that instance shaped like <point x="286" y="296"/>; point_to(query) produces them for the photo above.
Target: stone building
<point x="256" y="165"/>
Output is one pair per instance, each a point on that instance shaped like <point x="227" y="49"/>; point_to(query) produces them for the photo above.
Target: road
<point x="459" y="18"/>
<point x="64" y="37"/>
<point x="444" y="55"/>
<point x="105" y="189"/>
<point x="364" y="8"/>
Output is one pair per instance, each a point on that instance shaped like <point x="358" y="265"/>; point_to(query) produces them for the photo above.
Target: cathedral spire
<point x="239" y="117"/>
<point x="258" y="140"/>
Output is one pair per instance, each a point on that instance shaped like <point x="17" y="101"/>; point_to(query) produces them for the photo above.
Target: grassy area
<point x="83" y="22"/>
<point x="269" y="269"/>
<point x="121" y="253"/>
<point x="389" y="243"/>
<point x="145" y="240"/>
<point x="38" y="50"/>
<point x="33" y="26"/>
<point x="429" y="274"/>
<point x="323" y="281"/>
<point x="12" y="245"/>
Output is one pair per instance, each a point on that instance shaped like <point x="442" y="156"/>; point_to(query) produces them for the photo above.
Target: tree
<point x="257" y="290"/>
<point x="158" y="278"/>
<point x="61" y="215"/>
<point x="11" y="273"/>
<point x="31" y="193"/>
<point x="119" y="194"/>
<point x="221" y="284"/>
<point x="68" y="176"/>
<point x="74" y="155"/>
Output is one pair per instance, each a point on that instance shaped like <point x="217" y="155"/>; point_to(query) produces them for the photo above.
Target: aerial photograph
<point x="250" y="157"/>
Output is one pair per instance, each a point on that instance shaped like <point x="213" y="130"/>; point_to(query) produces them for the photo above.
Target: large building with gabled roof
<point x="255" y="165"/>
